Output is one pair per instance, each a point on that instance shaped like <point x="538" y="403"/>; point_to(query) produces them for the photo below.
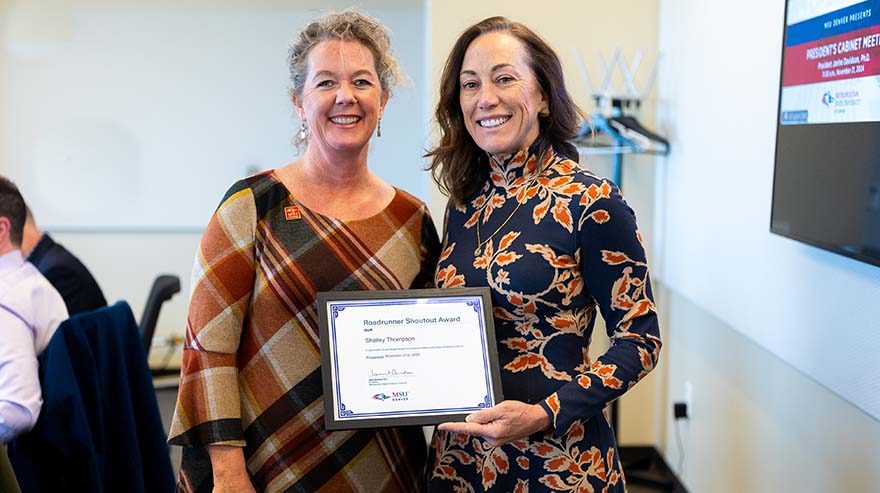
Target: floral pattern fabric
<point x="562" y="246"/>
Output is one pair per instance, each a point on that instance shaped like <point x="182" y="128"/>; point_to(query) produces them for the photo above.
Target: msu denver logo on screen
<point x="395" y="396"/>
<point x="827" y="99"/>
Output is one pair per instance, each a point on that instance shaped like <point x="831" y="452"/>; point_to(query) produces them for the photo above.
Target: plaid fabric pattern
<point x="251" y="373"/>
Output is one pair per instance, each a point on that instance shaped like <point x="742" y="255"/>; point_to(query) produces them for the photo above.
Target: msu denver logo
<point x="827" y="99"/>
<point x="395" y="396"/>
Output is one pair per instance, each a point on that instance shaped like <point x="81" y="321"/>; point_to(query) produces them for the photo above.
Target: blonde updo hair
<point x="348" y="25"/>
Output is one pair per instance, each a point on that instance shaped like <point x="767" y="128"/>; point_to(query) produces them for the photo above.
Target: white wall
<point x="760" y="325"/>
<point x="757" y="424"/>
<point x="139" y="119"/>
<point x="718" y="101"/>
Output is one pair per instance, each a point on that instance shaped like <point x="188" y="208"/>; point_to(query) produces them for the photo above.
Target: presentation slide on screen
<point x="831" y="64"/>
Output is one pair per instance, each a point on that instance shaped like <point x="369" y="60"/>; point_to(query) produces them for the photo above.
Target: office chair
<point x="164" y="287"/>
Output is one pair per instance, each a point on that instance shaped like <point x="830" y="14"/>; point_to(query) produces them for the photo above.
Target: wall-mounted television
<point x="826" y="186"/>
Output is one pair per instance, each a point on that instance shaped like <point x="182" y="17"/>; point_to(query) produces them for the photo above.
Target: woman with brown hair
<point x="555" y="244"/>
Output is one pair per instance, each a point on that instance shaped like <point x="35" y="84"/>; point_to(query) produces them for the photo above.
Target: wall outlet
<point x="684" y="409"/>
<point x="679" y="410"/>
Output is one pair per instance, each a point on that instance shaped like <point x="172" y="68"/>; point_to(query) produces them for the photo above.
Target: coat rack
<point x="614" y="127"/>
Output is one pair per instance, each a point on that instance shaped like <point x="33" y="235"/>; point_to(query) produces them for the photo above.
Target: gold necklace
<point x="518" y="204"/>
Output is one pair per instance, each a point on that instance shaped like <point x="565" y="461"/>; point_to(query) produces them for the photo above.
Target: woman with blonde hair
<point x="250" y="410"/>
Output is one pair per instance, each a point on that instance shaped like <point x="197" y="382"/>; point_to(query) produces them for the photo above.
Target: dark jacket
<point x="99" y="430"/>
<point x="70" y="277"/>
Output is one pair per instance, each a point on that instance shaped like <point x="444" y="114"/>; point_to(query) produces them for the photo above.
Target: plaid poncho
<point x="251" y="373"/>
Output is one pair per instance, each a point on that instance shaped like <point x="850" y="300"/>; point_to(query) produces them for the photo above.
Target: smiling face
<point x="499" y="95"/>
<point x="342" y="98"/>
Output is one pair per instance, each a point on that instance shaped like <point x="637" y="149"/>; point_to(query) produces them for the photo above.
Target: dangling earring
<point x="379" y="128"/>
<point x="544" y="113"/>
<point x="302" y="131"/>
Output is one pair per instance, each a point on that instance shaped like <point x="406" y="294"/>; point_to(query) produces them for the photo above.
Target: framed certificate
<point x="411" y="357"/>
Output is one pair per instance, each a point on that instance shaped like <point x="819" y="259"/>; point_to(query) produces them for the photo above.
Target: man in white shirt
<point x="30" y="311"/>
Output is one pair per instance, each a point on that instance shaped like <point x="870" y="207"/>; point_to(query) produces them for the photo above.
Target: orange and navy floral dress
<point x="570" y="249"/>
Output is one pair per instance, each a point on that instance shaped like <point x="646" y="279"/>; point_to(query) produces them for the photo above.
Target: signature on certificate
<point x="390" y="373"/>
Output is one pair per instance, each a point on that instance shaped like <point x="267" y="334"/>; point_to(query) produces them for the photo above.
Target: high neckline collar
<point x="524" y="162"/>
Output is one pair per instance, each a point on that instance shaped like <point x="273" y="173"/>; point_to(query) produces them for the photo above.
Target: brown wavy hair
<point x="458" y="165"/>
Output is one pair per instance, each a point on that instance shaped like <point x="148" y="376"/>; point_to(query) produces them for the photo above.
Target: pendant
<point x="477" y="252"/>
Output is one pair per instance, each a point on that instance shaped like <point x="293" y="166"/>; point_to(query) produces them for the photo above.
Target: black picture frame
<point x="338" y="416"/>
